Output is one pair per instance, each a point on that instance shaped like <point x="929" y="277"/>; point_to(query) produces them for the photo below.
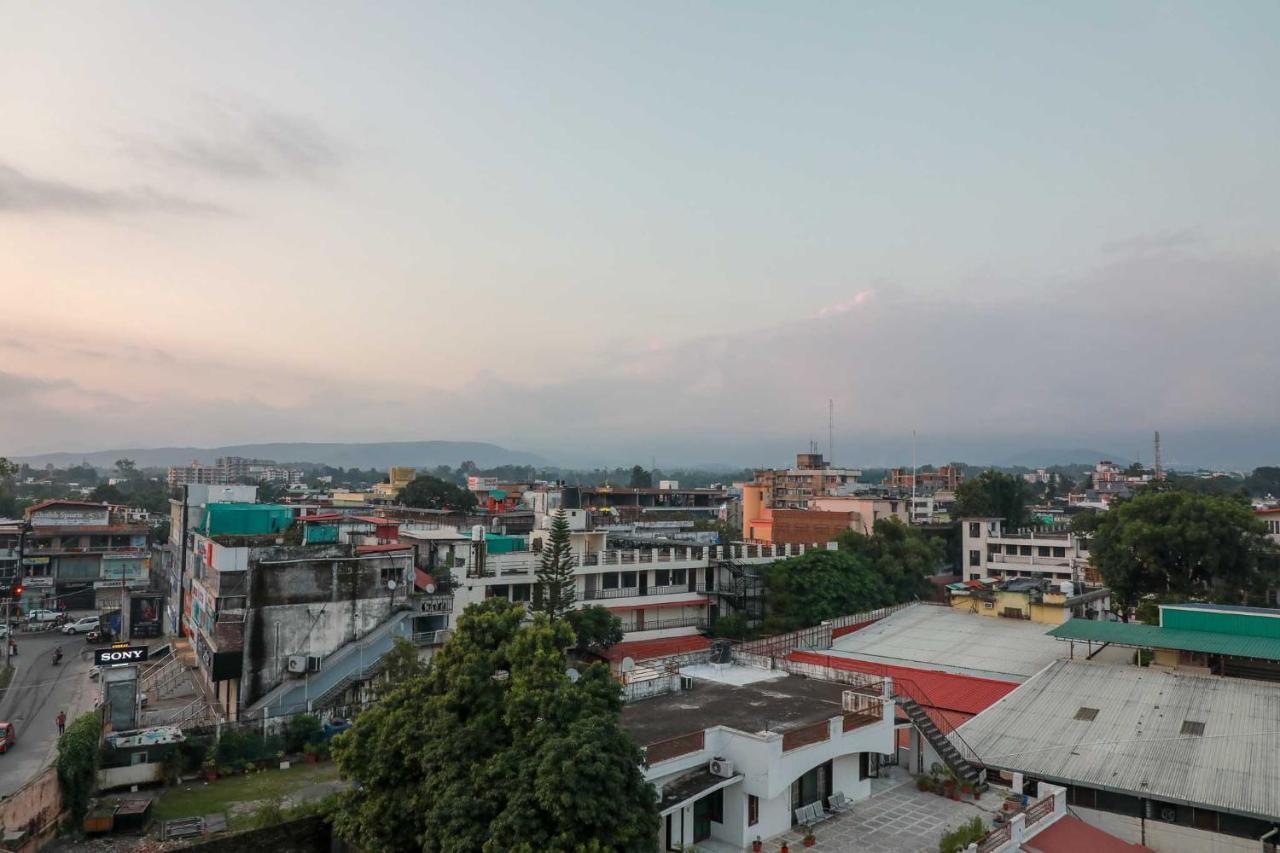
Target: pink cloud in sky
<point x="860" y="298"/>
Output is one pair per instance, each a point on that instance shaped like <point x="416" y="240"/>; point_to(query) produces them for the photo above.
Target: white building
<point x="988" y="551"/>
<point x="736" y="761"/>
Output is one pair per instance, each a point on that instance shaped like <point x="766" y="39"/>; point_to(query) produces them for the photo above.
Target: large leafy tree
<point x="903" y="556"/>
<point x="819" y="585"/>
<point x="494" y="748"/>
<point x="996" y="495"/>
<point x="554" y="593"/>
<point x="595" y="627"/>
<point x="1264" y="481"/>
<point x="1170" y="542"/>
<point x="640" y="478"/>
<point x="433" y="493"/>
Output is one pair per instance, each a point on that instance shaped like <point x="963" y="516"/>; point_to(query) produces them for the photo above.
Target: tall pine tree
<point x="554" y="594"/>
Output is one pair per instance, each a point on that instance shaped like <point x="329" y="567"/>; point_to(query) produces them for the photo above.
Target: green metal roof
<point x="1153" y="637"/>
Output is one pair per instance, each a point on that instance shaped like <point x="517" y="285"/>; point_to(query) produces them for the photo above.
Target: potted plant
<point x="809" y="838"/>
<point x="309" y="753"/>
<point x="966" y="789"/>
<point x="785" y="848"/>
<point x="949" y="789"/>
<point x="757" y="845"/>
<point x="924" y="783"/>
<point x="210" y="768"/>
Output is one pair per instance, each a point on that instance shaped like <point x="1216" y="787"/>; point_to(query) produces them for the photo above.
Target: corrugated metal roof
<point x="1154" y="637"/>
<point x="933" y="637"/>
<point x="1225" y="608"/>
<point x="1135" y="743"/>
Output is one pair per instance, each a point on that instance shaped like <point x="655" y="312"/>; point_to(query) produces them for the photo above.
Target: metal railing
<point x="699" y="622"/>
<point x="995" y="838"/>
<point x="636" y="592"/>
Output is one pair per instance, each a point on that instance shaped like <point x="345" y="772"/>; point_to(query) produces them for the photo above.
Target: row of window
<point x="627" y="580"/>
<point x="1182" y="815"/>
<point x="1026" y="550"/>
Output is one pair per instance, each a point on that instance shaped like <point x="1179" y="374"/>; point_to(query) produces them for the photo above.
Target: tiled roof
<point x="944" y="691"/>
<point x="640" y="650"/>
<point x="1070" y="835"/>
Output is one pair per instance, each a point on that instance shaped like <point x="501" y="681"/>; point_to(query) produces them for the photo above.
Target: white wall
<point x="1165" y="837"/>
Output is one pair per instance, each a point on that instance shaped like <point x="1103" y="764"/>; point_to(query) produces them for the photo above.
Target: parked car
<point x="4" y="630"/>
<point x="42" y="616"/>
<point x="83" y="625"/>
<point x="8" y="737"/>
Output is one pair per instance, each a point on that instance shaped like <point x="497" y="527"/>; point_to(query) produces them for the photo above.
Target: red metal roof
<point x="691" y="602"/>
<point x="324" y="516"/>
<point x="639" y="650"/>
<point x="944" y="691"/>
<point x="1069" y="834"/>
<point x="45" y="504"/>
<point x="379" y="549"/>
<point x="376" y="520"/>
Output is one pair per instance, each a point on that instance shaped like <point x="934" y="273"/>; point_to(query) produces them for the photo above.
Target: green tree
<point x="817" y="585"/>
<point x="595" y="627"/>
<point x="905" y="557"/>
<point x="493" y="748"/>
<point x="554" y="593"/>
<point x="996" y="495"/>
<point x="108" y="494"/>
<point x="640" y="478"/>
<point x="733" y="626"/>
<point x="126" y="469"/>
<point x="77" y="763"/>
<point x="1167" y="541"/>
<point x="1264" y="481"/>
<point x="433" y="493"/>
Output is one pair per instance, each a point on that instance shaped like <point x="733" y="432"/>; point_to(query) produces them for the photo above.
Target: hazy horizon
<point x="611" y="233"/>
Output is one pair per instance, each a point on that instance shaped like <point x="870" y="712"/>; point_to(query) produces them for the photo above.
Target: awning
<point x="690" y="788"/>
<point x="688" y="602"/>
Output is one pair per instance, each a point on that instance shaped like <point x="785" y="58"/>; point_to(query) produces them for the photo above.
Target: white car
<point x="41" y="616"/>
<point x="83" y="625"/>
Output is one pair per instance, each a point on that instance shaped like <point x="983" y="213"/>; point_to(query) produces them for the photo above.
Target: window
<point x="1026" y="550"/>
<point x="609" y="580"/>
<point x="993" y="549"/>
<point x="628" y="580"/>
<point x="497" y="591"/>
<point x="1087" y="714"/>
<point x="662" y="577"/>
<point x="975" y="529"/>
<point x="522" y="592"/>
<point x="679" y="576"/>
<point x="753" y="809"/>
<point x="1043" y="551"/>
<point x="1059" y="552"/>
<point x="975" y="558"/>
<point x="1192" y="727"/>
<point x="975" y="576"/>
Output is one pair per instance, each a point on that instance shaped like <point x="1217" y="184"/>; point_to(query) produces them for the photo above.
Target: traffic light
<point x="17" y="590"/>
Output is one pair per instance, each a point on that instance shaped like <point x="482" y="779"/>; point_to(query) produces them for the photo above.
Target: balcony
<point x="635" y="592"/>
<point x="699" y="622"/>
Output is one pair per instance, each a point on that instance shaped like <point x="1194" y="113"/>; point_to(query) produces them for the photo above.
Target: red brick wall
<point x="683" y="745"/>
<point x="807" y="526"/>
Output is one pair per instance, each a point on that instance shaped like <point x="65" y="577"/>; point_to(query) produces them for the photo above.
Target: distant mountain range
<point x="1047" y="458"/>
<point x="380" y="455"/>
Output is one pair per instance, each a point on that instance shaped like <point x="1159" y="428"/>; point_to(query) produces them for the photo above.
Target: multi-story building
<point x="261" y="613"/>
<point x="812" y="477"/>
<point x="196" y="474"/>
<point x="10" y="533"/>
<point x="82" y="556"/>
<point x="947" y="478"/>
<point x="989" y="552"/>
<point x="1270" y="518"/>
<point x="398" y="477"/>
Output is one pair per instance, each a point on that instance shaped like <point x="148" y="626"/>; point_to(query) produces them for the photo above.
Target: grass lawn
<point x="195" y="798"/>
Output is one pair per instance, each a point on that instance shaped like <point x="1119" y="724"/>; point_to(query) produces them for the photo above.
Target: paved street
<point x="38" y="691"/>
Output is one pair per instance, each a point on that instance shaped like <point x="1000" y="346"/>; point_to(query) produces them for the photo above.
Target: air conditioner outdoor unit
<point x="313" y="663"/>
<point x="722" y="767"/>
<point x="297" y="663"/>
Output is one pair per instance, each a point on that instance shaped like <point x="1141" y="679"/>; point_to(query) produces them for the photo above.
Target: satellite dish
<point x="627" y="665"/>
<point x="391" y="585"/>
<point x="573" y="675"/>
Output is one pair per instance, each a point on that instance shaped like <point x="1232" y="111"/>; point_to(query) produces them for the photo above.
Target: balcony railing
<point x="636" y="592"/>
<point x="699" y="622"/>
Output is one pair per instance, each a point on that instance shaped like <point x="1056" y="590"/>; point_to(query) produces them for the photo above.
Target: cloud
<point x="1181" y="344"/>
<point x="862" y="297"/>
<point x="21" y="192"/>
<point x="1160" y="241"/>
<point x="242" y="144"/>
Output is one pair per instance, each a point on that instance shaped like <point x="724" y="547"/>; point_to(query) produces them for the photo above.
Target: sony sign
<point x="118" y="655"/>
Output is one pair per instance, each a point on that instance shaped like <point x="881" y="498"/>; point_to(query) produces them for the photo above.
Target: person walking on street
<point x="62" y="722"/>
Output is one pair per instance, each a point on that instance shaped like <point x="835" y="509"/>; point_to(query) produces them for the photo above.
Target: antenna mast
<point x="831" y="432"/>
<point x="1159" y="467"/>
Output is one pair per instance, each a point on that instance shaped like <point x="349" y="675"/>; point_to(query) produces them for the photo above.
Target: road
<point x="38" y="691"/>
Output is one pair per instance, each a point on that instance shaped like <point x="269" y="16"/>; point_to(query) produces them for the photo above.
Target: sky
<point x="609" y="232"/>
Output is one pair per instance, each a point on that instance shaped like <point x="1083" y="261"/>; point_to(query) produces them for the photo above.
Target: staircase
<point x="965" y="770"/>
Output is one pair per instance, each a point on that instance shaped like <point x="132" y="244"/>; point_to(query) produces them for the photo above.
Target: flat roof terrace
<point x="776" y="705"/>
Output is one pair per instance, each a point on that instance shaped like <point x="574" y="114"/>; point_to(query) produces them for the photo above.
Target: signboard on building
<point x="69" y="517"/>
<point x="119" y="654"/>
<point x="482" y="484"/>
<point x="37" y="583"/>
